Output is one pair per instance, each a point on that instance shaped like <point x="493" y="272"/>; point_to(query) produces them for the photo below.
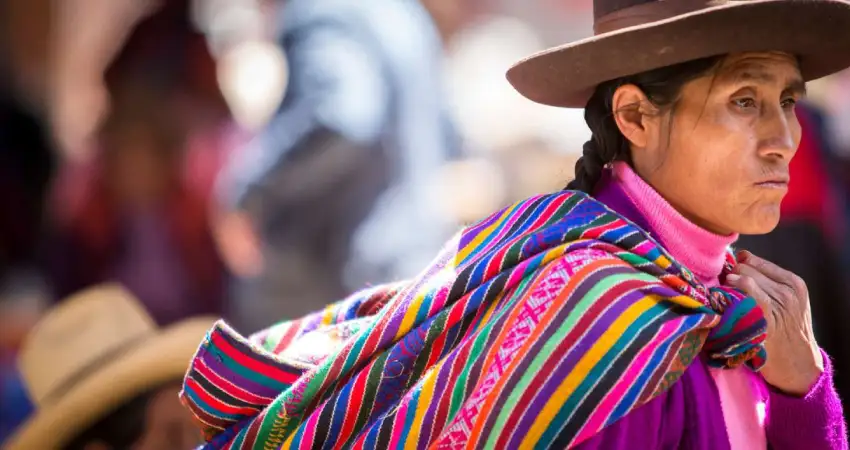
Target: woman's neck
<point x="698" y="249"/>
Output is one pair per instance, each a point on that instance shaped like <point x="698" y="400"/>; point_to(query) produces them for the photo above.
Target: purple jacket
<point x="689" y="415"/>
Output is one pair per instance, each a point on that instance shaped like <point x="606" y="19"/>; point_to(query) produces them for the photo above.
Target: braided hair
<point x="607" y="144"/>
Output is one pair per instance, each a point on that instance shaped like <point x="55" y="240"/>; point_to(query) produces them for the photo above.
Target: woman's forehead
<point x="761" y="67"/>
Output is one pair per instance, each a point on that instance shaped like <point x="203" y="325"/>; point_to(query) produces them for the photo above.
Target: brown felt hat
<point x="634" y="36"/>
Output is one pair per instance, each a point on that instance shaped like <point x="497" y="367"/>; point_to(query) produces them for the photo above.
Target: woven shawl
<point x="435" y="362"/>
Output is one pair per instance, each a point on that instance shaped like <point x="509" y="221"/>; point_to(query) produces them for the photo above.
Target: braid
<point x="606" y="143"/>
<point x="662" y="87"/>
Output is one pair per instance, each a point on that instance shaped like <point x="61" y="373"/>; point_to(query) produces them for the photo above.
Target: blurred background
<point x="257" y="159"/>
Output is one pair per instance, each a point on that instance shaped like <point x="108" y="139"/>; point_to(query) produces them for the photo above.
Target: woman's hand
<point x="794" y="360"/>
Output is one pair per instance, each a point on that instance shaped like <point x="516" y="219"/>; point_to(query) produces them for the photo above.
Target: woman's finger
<point x="770" y="269"/>
<point x="777" y="292"/>
<point x="748" y="284"/>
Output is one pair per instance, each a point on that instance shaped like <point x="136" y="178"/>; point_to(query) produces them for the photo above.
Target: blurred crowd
<point x="257" y="159"/>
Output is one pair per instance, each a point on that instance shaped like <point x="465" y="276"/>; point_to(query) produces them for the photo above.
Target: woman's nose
<point x="779" y="135"/>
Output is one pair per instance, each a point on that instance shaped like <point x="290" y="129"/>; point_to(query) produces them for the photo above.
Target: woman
<point x="610" y="315"/>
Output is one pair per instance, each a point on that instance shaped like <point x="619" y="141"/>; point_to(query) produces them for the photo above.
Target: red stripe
<point x="254" y="430"/>
<point x="494" y="266"/>
<point x="288" y="337"/>
<point x="749" y="319"/>
<point x="256" y="363"/>
<point x="439" y="345"/>
<point x="595" y="232"/>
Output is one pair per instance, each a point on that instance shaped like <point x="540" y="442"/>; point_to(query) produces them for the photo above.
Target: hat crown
<point x="613" y="15"/>
<point x="73" y="339"/>
<point x="602" y="8"/>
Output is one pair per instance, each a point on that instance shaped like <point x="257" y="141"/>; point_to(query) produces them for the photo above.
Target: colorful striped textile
<point x="496" y="345"/>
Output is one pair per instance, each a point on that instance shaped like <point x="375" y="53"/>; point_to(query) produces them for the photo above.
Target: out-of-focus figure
<point x="103" y="376"/>
<point x="336" y="191"/>
<point x="130" y="217"/>
<point x="136" y="210"/>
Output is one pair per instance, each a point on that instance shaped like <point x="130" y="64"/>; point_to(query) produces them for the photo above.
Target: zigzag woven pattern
<point x="496" y="345"/>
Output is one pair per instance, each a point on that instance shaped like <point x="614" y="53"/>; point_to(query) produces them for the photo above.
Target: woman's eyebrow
<point x="795" y="85"/>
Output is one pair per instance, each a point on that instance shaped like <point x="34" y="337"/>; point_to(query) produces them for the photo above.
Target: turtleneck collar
<point x="700" y="250"/>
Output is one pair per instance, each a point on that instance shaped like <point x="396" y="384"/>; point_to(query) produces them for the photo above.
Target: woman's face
<point x="720" y="156"/>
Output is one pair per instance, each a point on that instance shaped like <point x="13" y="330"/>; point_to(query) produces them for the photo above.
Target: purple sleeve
<point x="815" y="421"/>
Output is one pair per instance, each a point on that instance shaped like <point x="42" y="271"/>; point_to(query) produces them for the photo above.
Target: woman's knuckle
<point x="798" y="284"/>
<point x="787" y="293"/>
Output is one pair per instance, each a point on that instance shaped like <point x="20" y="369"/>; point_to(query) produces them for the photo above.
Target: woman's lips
<point x="776" y="182"/>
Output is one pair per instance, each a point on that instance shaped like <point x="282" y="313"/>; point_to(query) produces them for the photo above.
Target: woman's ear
<point x="631" y="109"/>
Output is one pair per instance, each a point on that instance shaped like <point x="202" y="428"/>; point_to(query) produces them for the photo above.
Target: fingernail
<point x="732" y="278"/>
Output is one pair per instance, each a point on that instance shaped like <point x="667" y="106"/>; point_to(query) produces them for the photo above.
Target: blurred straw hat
<point x="91" y="353"/>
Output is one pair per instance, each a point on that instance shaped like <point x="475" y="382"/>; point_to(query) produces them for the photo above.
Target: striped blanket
<point x="493" y="346"/>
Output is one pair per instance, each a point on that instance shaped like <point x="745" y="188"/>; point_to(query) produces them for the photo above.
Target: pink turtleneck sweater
<point x="743" y="394"/>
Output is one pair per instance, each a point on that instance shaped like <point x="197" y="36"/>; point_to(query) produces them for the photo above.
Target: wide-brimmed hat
<point x="92" y="353"/>
<point x="634" y="36"/>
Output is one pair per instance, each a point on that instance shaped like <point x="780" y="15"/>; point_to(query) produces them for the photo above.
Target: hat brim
<point x="817" y="32"/>
<point x="161" y="359"/>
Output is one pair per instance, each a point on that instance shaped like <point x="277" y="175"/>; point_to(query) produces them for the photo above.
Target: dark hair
<point x="662" y="87"/>
<point x="120" y="429"/>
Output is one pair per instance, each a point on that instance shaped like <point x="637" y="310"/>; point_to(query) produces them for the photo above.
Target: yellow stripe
<point x="685" y="301"/>
<point x="584" y="366"/>
<point x="425" y="398"/>
<point x="328" y="316"/>
<point x="470" y="247"/>
<point x="491" y="309"/>
<point x="288" y="442"/>
<point x="410" y="315"/>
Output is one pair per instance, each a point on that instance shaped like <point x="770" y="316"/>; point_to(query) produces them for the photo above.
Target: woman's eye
<point x="789" y="103"/>
<point x="744" y="103"/>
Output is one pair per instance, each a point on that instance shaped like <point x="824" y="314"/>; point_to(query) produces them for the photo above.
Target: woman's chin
<point x="762" y="223"/>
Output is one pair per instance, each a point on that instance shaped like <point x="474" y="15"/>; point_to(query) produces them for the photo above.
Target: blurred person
<point x="811" y="239"/>
<point x="103" y="376"/>
<point x="610" y="315"/>
<point x="130" y="217"/>
<point x="23" y="297"/>
<point x="361" y="130"/>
